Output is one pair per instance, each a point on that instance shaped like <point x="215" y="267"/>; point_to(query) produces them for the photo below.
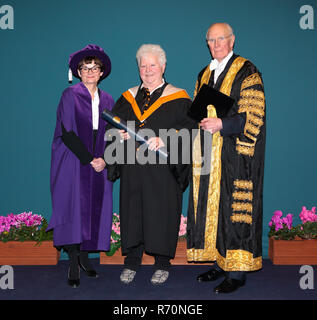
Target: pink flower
<point x="288" y="221"/>
<point x="308" y="215"/>
<point x="278" y="222"/>
<point x="182" y="226"/>
<point x="27" y="219"/>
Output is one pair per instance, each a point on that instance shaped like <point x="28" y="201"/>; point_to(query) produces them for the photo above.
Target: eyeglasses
<point x="219" y="39"/>
<point x="93" y="69"/>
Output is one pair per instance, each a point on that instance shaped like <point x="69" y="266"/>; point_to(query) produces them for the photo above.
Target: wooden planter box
<point x="28" y="253"/>
<point x="293" y="252"/>
<point x="180" y="256"/>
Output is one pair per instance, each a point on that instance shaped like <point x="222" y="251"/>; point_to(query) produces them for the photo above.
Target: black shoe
<point x="211" y="275"/>
<point x="229" y="285"/>
<point x="73" y="282"/>
<point x="90" y="272"/>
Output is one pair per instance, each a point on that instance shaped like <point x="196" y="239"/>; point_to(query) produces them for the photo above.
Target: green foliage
<point x="113" y="248"/>
<point x="307" y="230"/>
<point x="27" y="233"/>
<point x="115" y="236"/>
<point x="283" y="234"/>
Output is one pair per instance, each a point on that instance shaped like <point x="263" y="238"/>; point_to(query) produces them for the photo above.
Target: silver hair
<point x="153" y="49"/>
<point x="223" y="23"/>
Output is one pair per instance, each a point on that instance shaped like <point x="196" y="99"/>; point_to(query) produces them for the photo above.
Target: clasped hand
<point x="98" y="164"/>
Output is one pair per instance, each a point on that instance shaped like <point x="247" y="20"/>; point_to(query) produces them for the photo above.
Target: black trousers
<point x="71" y="248"/>
<point x="237" y="275"/>
<point x="133" y="259"/>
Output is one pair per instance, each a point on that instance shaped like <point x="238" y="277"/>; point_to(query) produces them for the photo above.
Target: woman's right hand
<point x="124" y="135"/>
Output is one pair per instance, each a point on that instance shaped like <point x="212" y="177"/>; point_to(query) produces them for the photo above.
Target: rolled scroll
<point x="122" y="125"/>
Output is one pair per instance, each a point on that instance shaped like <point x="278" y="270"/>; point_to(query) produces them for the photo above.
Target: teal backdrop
<point x="34" y="56"/>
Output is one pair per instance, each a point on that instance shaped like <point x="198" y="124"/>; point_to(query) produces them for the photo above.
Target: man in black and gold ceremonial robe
<point x="225" y="205"/>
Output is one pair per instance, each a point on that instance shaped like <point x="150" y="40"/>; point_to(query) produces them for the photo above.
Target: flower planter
<point x="28" y="253"/>
<point x="180" y="256"/>
<point x="293" y="252"/>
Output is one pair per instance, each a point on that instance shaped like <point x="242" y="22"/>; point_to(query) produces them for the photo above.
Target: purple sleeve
<point x="65" y="114"/>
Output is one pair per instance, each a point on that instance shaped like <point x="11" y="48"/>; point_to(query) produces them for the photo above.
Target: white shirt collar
<point x="95" y="110"/>
<point x="215" y="64"/>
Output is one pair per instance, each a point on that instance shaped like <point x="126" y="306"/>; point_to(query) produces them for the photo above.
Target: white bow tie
<point x="214" y="64"/>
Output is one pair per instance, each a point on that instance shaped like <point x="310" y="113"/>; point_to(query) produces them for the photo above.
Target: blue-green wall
<point x="33" y="73"/>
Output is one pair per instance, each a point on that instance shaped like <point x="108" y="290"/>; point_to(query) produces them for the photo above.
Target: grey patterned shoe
<point x="127" y="275"/>
<point x="159" y="277"/>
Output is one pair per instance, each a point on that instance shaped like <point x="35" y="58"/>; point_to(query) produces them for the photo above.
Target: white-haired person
<point x="225" y="224"/>
<point x="151" y="193"/>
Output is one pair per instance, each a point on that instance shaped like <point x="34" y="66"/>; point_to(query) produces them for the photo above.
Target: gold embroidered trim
<point x="251" y="80"/>
<point x="238" y="217"/>
<point x="205" y="77"/>
<point x="209" y="253"/>
<point x="246" y="205"/>
<point x="247" y="144"/>
<point x="197" y="160"/>
<point x="196" y="88"/>
<point x="239" y="260"/>
<point x="257" y="111"/>
<point x="197" y="165"/>
<point x="231" y="74"/>
<point x="243" y="184"/>
<point x="255" y="120"/>
<point x="247" y="151"/>
<point x="252" y="129"/>
<point x="241" y="206"/>
<point x="252" y="93"/>
<point x="240" y="195"/>
<point x="253" y="103"/>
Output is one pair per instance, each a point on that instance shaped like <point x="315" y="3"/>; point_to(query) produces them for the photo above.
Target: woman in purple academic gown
<point x="81" y="193"/>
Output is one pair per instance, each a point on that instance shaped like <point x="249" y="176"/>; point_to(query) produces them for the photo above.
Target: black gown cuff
<point x="233" y="125"/>
<point x="74" y="144"/>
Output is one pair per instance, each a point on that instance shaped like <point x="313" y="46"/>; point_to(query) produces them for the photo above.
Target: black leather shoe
<point x="90" y="272"/>
<point x="72" y="282"/>
<point x="211" y="275"/>
<point x="229" y="285"/>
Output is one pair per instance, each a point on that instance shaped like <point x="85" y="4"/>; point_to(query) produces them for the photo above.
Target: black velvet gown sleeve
<point x="233" y="125"/>
<point x="74" y="144"/>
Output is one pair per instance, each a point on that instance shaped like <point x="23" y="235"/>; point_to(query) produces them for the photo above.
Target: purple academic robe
<point x="81" y="197"/>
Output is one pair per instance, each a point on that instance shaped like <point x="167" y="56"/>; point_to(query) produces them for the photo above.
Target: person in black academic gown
<point x="151" y="193"/>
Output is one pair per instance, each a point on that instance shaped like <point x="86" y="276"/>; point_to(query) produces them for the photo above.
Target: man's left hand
<point x="212" y="125"/>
